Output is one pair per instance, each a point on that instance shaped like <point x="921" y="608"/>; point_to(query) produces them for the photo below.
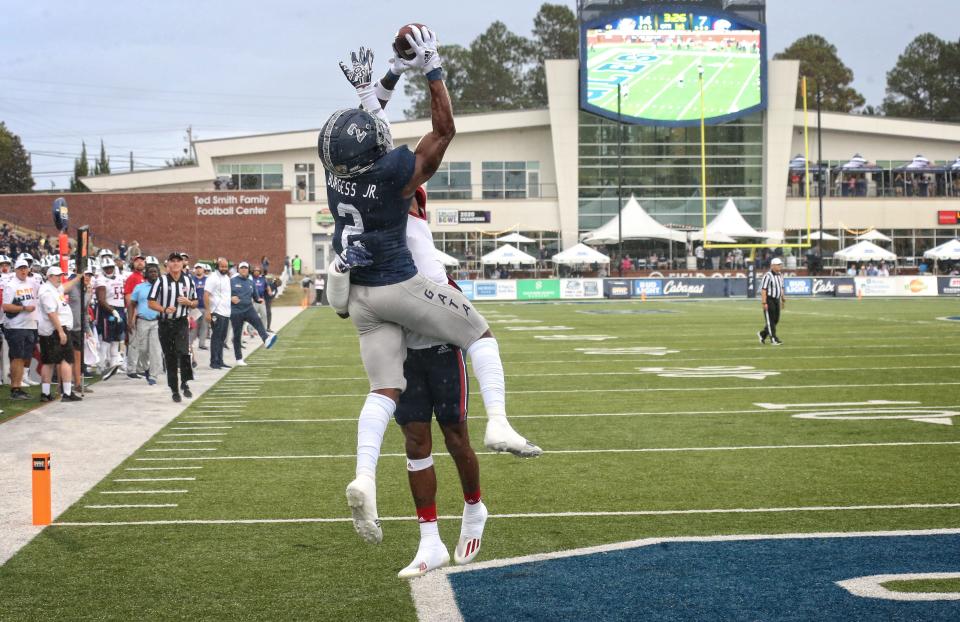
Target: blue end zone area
<point x="782" y="579"/>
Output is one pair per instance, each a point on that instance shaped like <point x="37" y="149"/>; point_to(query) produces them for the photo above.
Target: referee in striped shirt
<point x="773" y="298"/>
<point x="173" y="296"/>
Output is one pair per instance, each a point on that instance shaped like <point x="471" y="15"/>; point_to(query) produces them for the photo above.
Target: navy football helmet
<point x="351" y="141"/>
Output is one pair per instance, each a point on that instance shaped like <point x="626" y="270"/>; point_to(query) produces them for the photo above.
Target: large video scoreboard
<point x="656" y="57"/>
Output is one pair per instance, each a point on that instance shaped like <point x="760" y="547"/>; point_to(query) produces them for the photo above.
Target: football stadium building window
<point x="451" y="181"/>
<point x="661" y="167"/>
<point x="511" y="180"/>
<point x="306" y="182"/>
<point x="253" y="176"/>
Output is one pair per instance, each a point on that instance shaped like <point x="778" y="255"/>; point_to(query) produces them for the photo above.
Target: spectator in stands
<point x="872" y="270"/>
<point x="122" y="250"/>
<point x="134" y="249"/>
<point x="265" y="265"/>
<point x="883" y="270"/>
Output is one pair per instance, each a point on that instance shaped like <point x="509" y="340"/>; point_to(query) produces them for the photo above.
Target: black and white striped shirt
<point x="773" y="283"/>
<point x="166" y="290"/>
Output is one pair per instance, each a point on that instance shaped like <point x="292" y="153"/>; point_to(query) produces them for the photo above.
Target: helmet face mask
<point x="351" y="142"/>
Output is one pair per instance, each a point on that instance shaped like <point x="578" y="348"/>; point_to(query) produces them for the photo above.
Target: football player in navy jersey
<point x="369" y="187"/>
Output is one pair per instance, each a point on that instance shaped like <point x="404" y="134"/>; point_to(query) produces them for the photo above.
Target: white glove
<point x="398" y="66"/>
<point x="423" y="42"/>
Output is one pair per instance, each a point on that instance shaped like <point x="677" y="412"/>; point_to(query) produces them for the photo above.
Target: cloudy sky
<point x="137" y="74"/>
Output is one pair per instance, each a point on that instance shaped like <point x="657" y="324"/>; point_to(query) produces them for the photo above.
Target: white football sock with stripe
<point x="374" y="417"/>
<point x="488" y="369"/>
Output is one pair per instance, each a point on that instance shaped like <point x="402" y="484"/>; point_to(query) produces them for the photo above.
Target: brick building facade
<point x="238" y="225"/>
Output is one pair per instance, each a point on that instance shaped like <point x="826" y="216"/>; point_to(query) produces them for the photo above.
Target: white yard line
<point x="198" y="434"/>
<point x="172" y="468"/>
<point x="206" y="427"/>
<point x="639" y="450"/>
<point x="696" y="98"/>
<point x="187" y="441"/>
<point x="186" y="449"/>
<point x="750" y="80"/>
<point x="759" y="387"/>
<point x="573" y="514"/>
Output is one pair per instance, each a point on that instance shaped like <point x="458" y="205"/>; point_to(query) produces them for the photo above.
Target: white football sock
<point x="430" y="531"/>
<point x="67" y="388"/>
<point x="485" y="360"/>
<point x="374" y="417"/>
<point x="45" y="388"/>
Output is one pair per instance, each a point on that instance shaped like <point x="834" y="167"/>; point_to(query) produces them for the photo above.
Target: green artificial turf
<point x="924" y="585"/>
<point x="287" y="433"/>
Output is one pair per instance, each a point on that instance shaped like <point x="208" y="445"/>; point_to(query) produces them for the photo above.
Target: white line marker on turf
<point x="187" y="441"/>
<point x="745" y="372"/>
<point x="921" y="415"/>
<point x="132" y="505"/>
<point x="433" y="595"/>
<point x="187" y="449"/>
<point x="637" y="450"/>
<point x="157" y="479"/>
<point x="199" y="434"/>
<point x="176" y="468"/>
<point x="212" y="427"/>
<point x="770" y="406"/>
<point x="143" y="492"/>
<point x="826" y="508"/>
<point x="872" y="586"/>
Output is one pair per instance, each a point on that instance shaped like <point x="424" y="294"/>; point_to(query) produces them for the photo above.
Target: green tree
<point x="15" y="174"/>
<point x="925" y="81"/>
<point x="555" y="35"/>
<point x="501" y="70"/>
<point x="102" y="165"/>
<point x="180" y="161"/>
<point x="81" y="168"/>
<point x="822" y="66"/>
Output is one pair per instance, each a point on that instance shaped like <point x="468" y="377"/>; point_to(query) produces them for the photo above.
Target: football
<point x="400" y="44"/>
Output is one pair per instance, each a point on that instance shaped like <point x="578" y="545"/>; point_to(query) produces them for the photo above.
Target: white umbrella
<point x="946" y="251"/>
<point x="864" y="251"/>
<point x="515" y="238"/>
<point x="874" y="236"/>
<point x="507" y="254"/>
<point x="447" y="260"/>
<point x="578" y="255"/>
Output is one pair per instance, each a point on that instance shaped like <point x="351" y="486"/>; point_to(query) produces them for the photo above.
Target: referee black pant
<point x="771" y="316"/>
<point x="175" y="343"/>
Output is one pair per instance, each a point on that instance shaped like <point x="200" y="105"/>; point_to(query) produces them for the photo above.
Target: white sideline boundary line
<point x="185" y="449"/>
<point x="435" y="602"/>
<point x="188" y="441"/>
<point x="872" y="586"/>
<point x="215" y="427"/>
<point x="198" y="434"/>
<point x="280" y="521"/>
<point x="658" y="389"/>
<point x="640" y="450"/>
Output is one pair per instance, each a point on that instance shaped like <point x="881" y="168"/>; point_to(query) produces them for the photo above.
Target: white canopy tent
<point x="637" y="225"/>
<point x="579" y="255"/>
<point x="515" y="238"/>
<point x="815" y="236"/>
<point x="864" y="251"/>
<point x="447" y="260"/>
<point x="730" y="222"/>
<point x="874" y="236"/>
<point x="948" y="251"/>
<point x="507" y="254"/>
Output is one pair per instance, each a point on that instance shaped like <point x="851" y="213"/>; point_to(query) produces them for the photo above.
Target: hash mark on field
<point x="268" y="521"/>
<point x="157" y="479"/>
<point x="143" y="492"/>
<point x="142" y="505"/>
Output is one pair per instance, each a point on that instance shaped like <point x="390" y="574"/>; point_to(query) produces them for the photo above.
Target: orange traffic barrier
<point x="42" y="514"/>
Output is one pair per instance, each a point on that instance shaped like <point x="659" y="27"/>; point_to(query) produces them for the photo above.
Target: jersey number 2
<point x="345" y="209"/>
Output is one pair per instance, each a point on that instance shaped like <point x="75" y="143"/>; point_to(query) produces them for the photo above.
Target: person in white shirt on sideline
<point x="54" y="323"/>
<point x="20" y="307"/>
<point x="217" y="309"/>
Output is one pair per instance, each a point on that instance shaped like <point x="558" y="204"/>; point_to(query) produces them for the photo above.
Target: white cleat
<point x="362" y="499"/>
<point x="240" y="363"/>
<point x="500" y="436"/>
<point x="430" y="556"/>
<point x="471" y="532"/>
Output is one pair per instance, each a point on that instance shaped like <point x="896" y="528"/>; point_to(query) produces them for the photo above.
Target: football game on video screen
<point x="657" y="57"/>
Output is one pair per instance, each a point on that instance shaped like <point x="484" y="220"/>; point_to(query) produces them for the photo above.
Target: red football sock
<point x="427" y="514"/>
<point x="472" y="498"/>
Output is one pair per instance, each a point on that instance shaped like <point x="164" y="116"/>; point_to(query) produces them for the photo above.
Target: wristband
<point x="435" y="74"/>
<point x="383" y="93"/>
<point x="389" y="80"/>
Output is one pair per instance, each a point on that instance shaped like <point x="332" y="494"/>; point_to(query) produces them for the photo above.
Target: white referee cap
<point x="776" y="262"/>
